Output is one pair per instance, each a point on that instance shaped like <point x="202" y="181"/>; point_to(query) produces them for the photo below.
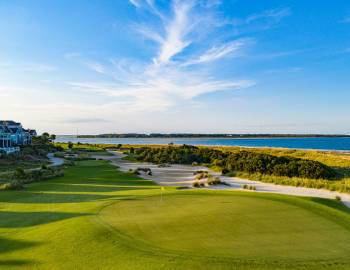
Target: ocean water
<point x="294" y="143"/>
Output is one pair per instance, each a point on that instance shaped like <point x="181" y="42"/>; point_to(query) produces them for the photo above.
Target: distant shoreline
<point x="211" y="136"/>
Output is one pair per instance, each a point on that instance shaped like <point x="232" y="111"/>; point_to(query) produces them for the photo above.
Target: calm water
<point x="297" y="143"/>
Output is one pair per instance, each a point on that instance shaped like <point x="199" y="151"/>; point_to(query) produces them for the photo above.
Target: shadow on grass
<point x="9" y="263"/>
<point x="9" y="245"/>
<point x="82" y="187"/>
<point x="332" y="203"/>
<point x="37" y="197"/>
<point x="27" y="219"/>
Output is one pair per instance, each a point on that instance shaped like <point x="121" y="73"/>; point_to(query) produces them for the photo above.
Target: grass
<point x="96" y="217"/>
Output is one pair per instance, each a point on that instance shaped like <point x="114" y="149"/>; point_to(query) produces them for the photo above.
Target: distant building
<point x="13" y="135"/>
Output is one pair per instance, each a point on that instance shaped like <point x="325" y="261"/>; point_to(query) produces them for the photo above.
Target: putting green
<point x="242" y="226"/>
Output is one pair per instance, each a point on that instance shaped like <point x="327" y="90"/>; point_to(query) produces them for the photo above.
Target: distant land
<point x="199" y="135"/>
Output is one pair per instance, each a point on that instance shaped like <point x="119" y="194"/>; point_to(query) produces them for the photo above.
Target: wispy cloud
<point x="178" y="71"/>
<point x="97" y="67"/>
<point x="175" y="40"/>
<point x="221" y="51"/>
<point x="274" y="15"/>
<point x="86" y="120"/>
<point x="135" y="3"/>
<point x="284" y="70"/>
<point x="28" y="67"/>
<point x="91" y="64"/>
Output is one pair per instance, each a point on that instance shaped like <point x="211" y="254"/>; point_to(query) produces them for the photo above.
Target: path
<point x="55" y="161"/>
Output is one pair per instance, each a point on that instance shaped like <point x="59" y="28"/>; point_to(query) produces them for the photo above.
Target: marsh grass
<point x="342" y="185"/>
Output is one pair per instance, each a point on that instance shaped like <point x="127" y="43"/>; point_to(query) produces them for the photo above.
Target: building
<point x="13" y="135"/>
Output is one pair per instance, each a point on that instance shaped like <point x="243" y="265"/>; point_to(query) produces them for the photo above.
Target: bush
<point x="19" y="174"/>
<point x="338" y="198"/>
<point x="44" y="166"/>
<point x="213" y="181"/>
<point x="196" y="184"/>
<point x="14" y="185"/>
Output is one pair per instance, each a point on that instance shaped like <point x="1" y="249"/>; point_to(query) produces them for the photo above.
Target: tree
<point x="70" y="145"/>
<point x="52" y="137"/>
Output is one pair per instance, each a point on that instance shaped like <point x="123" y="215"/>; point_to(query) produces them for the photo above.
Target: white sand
<point x="182" y="175"/>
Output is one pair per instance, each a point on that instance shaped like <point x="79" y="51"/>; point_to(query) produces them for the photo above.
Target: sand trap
<point x="182" y="175"/>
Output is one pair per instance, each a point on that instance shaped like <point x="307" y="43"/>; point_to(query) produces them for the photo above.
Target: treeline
<point x="199" y="135"/>
<point x="242" y="161"/>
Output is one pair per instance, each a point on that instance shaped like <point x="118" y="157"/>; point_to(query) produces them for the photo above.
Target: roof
<point x="9" y="122"/>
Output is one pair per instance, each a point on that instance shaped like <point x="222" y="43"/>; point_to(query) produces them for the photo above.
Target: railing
<point x="10" y="150"/>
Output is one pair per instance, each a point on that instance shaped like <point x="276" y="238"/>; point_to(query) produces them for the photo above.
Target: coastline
<point x="275" y="143"/>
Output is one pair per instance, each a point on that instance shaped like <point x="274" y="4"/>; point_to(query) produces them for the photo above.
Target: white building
<point x="13" y="135"/>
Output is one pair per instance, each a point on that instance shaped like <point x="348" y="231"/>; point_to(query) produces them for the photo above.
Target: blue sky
<point x="207" y="66"/>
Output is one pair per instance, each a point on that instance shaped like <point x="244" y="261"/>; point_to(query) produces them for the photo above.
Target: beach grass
<point x="95" y="217"/>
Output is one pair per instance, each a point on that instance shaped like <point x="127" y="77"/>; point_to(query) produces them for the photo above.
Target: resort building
<point x="13" y="135"/>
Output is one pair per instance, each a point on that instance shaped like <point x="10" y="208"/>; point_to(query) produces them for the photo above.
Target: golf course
<point x="96" y="217"/>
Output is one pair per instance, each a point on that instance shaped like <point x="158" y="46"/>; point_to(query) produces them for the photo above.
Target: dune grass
<point x="96" y="217"/>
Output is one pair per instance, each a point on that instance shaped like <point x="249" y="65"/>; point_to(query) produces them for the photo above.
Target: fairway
<point x="96" y="217"/>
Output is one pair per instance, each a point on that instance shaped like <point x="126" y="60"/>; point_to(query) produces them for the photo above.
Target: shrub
<point x="14" y="185"/>
<point x="44" y="166"/>
<point x="19" y="174"/>
<point x="213" y="181"/>
<point x="203" y="175"/>
<point x="338" y="198"/>
<point x="196" y="184"/>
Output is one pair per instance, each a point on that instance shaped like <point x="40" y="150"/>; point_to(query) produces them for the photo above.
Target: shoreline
<point x="127" y="143"/>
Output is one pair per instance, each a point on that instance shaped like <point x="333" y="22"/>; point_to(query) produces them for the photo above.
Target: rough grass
<point x="98" y="218"/>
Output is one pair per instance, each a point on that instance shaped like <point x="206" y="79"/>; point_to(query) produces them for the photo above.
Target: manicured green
<point x="95" y="217"/>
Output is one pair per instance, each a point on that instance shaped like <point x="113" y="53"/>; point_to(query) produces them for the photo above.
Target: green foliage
<point x="244" y="161"/>
<point x="13" y="185"/>
<point x="70" y="145"/>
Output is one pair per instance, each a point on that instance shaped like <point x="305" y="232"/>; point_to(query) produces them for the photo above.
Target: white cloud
<point x="176" y="30"/>
<point x="99" y="68"/>
<point x="135" y="3"/>
<point x="169" y="78"/>
<point x="218" y="52"/>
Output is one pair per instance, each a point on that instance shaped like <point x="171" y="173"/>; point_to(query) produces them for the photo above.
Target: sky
<point x="176" y="66"/>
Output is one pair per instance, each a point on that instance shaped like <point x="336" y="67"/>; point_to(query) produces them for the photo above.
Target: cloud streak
<point x="178" y="72"/>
